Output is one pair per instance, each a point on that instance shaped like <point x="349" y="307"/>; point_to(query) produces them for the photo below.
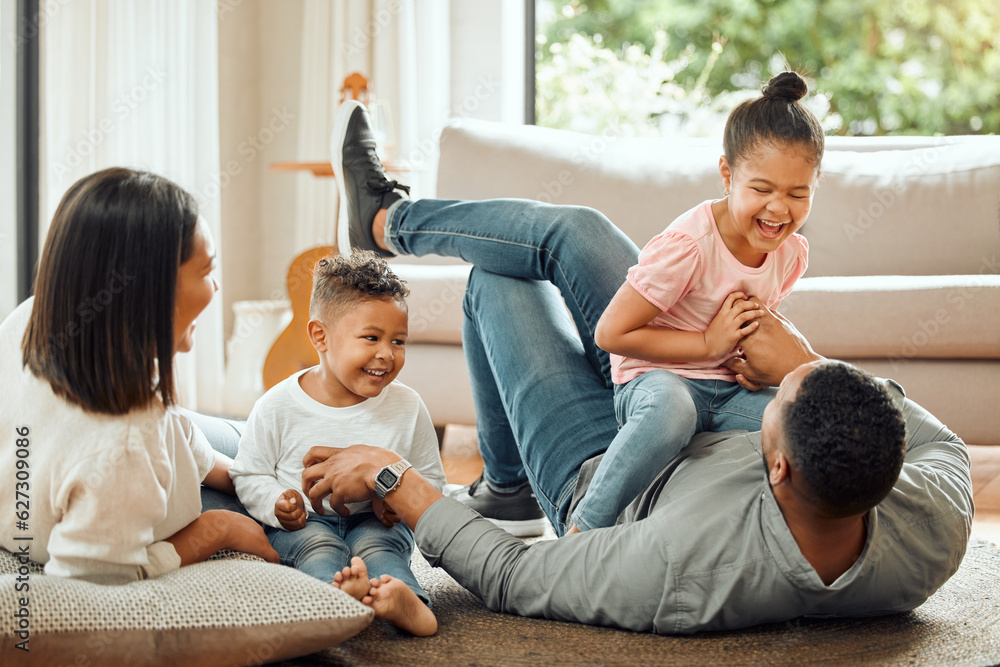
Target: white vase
<point x="257" y="325"/>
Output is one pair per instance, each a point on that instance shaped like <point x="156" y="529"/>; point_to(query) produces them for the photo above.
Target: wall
<point x="258" y="108"/>
<point x="261" y="83"/>
<point x="487" y="69"/>
<point x="8" y="166"/>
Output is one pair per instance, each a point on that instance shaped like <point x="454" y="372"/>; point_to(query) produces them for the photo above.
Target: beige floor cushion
<point x="233" y="611"/>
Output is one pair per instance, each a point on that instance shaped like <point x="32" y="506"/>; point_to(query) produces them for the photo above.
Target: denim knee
<point x="660" y="399"/>
<point x="397" y="539"/>
<point x="311" y="541"/>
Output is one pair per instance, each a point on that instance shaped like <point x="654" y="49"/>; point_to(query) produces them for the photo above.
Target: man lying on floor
<point x="833" y="509"/>
<point x="851" y="501"/>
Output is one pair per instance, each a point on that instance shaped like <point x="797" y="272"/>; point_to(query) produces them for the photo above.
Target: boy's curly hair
<point x="341" y="281"/>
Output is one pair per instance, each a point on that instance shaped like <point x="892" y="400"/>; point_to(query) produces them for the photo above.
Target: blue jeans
<point x="325" y="545"/>
<point x="224" y="436"/>
<point x="658" y="413"/>
<point x="543" y="276"/>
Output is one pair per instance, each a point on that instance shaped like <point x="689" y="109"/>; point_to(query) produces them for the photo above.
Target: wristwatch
<point x="387" y="478"/>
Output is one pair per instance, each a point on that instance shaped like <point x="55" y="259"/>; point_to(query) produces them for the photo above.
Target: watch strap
<point x="396" y="471"/>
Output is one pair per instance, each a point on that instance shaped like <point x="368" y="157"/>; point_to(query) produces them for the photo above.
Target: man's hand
<point x="733" y="321"/>
<point x="384" y="513"/>
<point x="774" y="349"/>
<point x="346" y="475"/>
<point x="290" y="510"/>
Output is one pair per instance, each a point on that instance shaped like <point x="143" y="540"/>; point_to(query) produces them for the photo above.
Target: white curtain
<point x="8" y="163"/>
<point x="402" y="48"/>
<point x="135" y="84"/>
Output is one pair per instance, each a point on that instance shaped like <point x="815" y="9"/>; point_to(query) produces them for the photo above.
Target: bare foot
<point x="353" y="580"/>
<point x="395" y="602"/>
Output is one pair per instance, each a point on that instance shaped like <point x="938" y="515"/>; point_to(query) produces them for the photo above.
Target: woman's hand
<point x="290" y="510"/>
<point x="221" y="529"/>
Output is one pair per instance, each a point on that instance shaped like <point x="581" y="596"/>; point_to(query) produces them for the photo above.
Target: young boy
<point x="358" y="324"/>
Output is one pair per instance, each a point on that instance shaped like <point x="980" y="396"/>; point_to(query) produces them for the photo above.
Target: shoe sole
<point x="523" y="528"/>
<point x="340" y="124"/>
<point x="529" y="528"/>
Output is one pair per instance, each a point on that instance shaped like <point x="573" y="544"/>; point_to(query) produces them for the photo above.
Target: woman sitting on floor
<point x="106" y="471"/>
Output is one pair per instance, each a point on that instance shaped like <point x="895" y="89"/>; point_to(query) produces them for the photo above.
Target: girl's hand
<point x="290" y="510"/>
<point x="384" y="513"/>
<point x="733" y="321"/>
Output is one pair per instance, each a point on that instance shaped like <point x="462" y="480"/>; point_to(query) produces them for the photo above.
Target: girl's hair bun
<point x="786" y="86"/>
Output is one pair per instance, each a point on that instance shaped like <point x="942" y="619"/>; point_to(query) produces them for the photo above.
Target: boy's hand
<point x="290" y="510"/>
<point x="733" y="321"/>
<point x="384" y="513"/>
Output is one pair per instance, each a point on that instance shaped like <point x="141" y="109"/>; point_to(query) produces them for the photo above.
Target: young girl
<point x="695" y="292"/>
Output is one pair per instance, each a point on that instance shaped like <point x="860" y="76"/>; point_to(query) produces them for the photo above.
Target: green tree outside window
<point x="647" y="67"/>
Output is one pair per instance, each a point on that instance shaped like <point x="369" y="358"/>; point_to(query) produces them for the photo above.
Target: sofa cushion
<point x="926" y="211"/>
<point x="899" y="317"/>
<point x="922" y="207"/>
<point x="220" y="612"/>
<point x="640" y="184"/>
<point x="435" y="301"/>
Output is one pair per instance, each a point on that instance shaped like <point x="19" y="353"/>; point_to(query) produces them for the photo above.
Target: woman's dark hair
<point x="847" y="438"/>
<point x="101" y="330"/>
<point x="776" y="118"/>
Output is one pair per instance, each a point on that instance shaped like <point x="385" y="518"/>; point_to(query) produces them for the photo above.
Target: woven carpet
<point x="958" y="625"/>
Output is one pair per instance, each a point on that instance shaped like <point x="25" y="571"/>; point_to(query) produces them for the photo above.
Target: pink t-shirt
<point x="687" y="272"/>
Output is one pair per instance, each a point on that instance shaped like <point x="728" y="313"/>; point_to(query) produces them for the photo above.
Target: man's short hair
<point x="846" y="437"/>
<point x="341" y="281"/>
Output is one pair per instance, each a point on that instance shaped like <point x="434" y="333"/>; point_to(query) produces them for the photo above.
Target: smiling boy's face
<point x="364" y="351"/>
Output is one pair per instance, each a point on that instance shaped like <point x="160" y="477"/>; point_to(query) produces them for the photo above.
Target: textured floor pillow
<point x="234" y="610"/>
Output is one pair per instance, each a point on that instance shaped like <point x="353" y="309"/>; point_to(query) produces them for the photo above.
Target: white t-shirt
<point x="103" y="491"/>
<point x="286" y="423"/>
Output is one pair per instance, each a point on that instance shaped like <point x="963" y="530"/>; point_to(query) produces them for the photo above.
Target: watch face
<point x="387" y="478"/>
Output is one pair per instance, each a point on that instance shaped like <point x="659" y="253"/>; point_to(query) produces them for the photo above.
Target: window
<point x="14" y="265"/>
<point x="662" y="67"/>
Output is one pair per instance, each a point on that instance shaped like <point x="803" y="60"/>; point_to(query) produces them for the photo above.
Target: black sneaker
<point x="516" y="512"/>
<point x="364" y="187"/>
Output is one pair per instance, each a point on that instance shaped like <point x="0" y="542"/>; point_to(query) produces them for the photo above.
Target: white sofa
<point x="904" y="251"/>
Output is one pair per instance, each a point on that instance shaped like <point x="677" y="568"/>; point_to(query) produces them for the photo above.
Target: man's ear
<point x="725" y="172"/>
<point x="779" y="471"/>
<point x="317" y="335"/>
